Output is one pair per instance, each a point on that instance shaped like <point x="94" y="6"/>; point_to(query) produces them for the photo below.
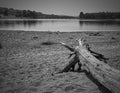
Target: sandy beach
<point x="28" y="62"/>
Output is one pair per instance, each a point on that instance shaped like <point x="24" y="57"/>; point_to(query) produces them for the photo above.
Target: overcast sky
<point x="63" y="7"/>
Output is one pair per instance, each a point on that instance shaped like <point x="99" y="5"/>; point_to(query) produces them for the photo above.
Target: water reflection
<point x="59" y="25"/>
<point x="99" y="22"/>
<point x="24" y="23"/>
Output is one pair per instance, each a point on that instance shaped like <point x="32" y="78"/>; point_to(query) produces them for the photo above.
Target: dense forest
<point x="100" y="15"/>
<point x="15" y="13"/>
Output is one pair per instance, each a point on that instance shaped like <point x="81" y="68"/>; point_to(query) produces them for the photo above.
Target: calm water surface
<point x="59" y="25"/>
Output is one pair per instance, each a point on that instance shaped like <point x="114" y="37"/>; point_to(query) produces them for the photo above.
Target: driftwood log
<point x="92" y="63"/>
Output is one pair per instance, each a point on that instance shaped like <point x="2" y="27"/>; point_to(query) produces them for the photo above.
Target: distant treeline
<point x="100" y="15"/>
<point x="15" y="13"/>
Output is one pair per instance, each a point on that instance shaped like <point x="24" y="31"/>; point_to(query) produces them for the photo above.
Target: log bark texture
<point x="106" y="75"/>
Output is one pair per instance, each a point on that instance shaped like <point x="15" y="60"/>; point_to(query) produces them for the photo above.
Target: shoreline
<point x="82" y="31"/>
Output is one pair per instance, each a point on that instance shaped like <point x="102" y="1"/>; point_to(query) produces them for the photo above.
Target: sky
<point x="63" y="7"/>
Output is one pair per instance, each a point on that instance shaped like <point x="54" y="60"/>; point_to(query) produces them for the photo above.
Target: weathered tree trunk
<point x="72" y="62"/>
<point x="106" y="75"/>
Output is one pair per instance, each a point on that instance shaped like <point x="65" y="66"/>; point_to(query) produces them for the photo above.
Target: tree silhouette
<point x="100" y="15"/>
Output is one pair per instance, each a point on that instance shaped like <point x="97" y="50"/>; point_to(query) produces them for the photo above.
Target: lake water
<point x="67" y="25"/>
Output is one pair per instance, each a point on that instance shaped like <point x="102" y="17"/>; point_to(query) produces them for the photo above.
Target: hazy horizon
<point x="63" y="7"/>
